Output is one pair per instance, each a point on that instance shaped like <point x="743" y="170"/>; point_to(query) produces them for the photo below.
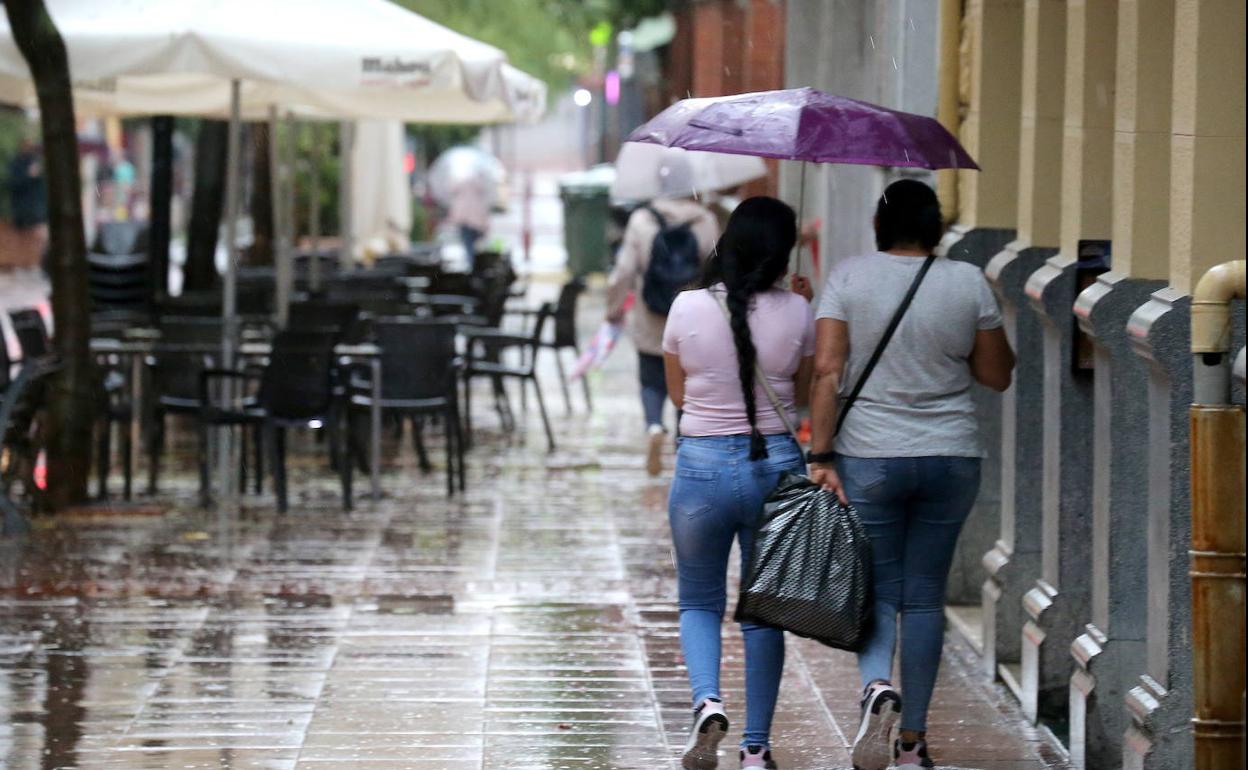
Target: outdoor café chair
<point x="564" y="337"/>
<point x="21" y="403"/>
<point x="32" y="333"/>
<point x="418" y="379"/>
<point x="295" y="389"/>
<point x="188" y="345"/>
<point x="486" y="357"/>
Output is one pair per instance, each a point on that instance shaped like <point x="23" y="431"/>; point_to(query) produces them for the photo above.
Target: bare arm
<point x="992" y="359"/>
<point x="831" y="353"/>
<point x="802" y="380"/>
<point x="675" y="376"/>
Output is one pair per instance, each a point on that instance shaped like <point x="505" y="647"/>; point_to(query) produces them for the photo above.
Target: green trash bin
<point x="586" y="201"/>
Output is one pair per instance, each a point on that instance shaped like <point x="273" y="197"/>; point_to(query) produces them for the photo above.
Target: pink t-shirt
<point x="782" y="325"/>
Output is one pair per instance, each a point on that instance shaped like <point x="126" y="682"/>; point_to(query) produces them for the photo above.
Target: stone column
<point x="990" y="58"/>
<point x="1057" y="604"/>
<point x="1160" y="705"/>
<point x="1013" y="562"/>
<point x="1014" y="559"/>
<point x="1108" y="654"/>
<point x="983" y="526"/>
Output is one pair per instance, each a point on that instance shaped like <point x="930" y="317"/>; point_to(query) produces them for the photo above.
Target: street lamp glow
<point x="582" y="97"/>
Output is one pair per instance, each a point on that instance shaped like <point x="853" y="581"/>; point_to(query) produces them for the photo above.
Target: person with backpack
<point x="665" y="244"/>
<point x="902" y="335"/>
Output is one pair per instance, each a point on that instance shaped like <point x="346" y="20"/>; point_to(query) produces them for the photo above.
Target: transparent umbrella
<point x="646" y="171"/>
<point x="465" y="165"/>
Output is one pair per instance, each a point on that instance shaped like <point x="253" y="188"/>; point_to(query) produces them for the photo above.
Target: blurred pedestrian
<point x="28" y="191"/>
<point x="732" y="450"/>
<point x="682" y="231"/>
<point x="24" y="240"/>
<point x="908" y="453"/>
<point x="470" y="212"/>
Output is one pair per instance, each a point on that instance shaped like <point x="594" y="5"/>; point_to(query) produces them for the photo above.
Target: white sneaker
<point x="881" y="708"/>
<point x="654" y="450"/>
<point x="710" y="725"/>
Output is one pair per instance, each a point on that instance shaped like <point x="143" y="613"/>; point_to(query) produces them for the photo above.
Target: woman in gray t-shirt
<point x="907" y="455"/>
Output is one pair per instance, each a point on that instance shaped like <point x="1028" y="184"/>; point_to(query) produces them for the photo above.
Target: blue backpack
<point x="674" y="264"/>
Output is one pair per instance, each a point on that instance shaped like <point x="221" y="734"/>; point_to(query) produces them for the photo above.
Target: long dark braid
<point x="751" y="256"/>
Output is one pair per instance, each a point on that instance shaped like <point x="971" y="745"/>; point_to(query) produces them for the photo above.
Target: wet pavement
<point x="530" y="624"/>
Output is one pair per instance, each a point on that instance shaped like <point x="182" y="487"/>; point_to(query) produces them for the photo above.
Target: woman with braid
<point x="741" y="324"/>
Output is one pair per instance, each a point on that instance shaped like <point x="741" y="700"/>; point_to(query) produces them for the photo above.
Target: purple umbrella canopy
<point x="806" y="124"/>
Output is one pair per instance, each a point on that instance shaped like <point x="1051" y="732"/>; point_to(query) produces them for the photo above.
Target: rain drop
<point x="872" y="39"/>
<point x="894" y="58"/>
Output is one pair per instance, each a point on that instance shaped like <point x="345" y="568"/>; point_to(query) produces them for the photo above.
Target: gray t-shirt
<point x="917" y="402"/>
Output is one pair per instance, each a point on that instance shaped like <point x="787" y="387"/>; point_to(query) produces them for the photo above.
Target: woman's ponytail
<point x="752" y="255"/>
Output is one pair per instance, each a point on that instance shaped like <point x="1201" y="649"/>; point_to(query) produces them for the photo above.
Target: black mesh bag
<point x="810" y="570"/>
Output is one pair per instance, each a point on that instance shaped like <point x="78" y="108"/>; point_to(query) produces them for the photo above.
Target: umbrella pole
<point x="281" y="254"/>
<point x="229" y="288"/>
<point x="346" y="145"/>
<point x="801" y="215"/>
<point x="292" y="189"/>
<point x="314" y="213"/>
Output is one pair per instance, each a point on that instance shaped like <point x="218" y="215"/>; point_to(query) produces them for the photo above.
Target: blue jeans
<point x="716" y="497"/>
<point x="469" y="236"/>
<point x="913" y="509"/>
<point x="653" y="387"/>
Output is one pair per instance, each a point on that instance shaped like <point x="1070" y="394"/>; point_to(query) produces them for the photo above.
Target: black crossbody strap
<point x="657" y="216"/>
<point x="879" y="348"/>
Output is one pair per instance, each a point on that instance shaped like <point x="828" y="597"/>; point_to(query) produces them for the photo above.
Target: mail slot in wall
<point x="1094" y="259"/>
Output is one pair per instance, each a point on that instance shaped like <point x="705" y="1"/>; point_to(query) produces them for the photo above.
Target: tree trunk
<point x="207" y="203"/>
<point x="162" y="199"/>
<point x="261" y="205"/>
<point x="71" y="406"/>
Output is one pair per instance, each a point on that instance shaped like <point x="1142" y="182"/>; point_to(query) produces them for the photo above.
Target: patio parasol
<point x="808" y="125"/>
<point x="309" y="58"/>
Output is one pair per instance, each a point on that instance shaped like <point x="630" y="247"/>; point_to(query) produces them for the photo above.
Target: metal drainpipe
<point x="1217" y="553"/>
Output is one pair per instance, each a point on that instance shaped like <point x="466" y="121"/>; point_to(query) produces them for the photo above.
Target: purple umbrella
<point x="806" y="124"/>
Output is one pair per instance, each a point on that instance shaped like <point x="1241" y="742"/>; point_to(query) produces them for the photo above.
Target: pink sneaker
<point x="757" y="757"/>
<point x="710" y="724"/>
<point x="881" y="708"/>
<point x="911" y="756"/>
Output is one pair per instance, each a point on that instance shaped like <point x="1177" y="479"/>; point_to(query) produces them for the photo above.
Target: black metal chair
<point x="21" y="438"/>
<point x="564" y="337"/>
<point x="119" y="282"/>
<point x="32" y="333"/>
<point x="188" y="345"/>
<point x="117" y="408"/>
<point x="486" y="357"/>
<point x="418" y="379"/>
<point x="295" y="390"/>
<point x="253" y="303"/>
<point x="322" y="315"/>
